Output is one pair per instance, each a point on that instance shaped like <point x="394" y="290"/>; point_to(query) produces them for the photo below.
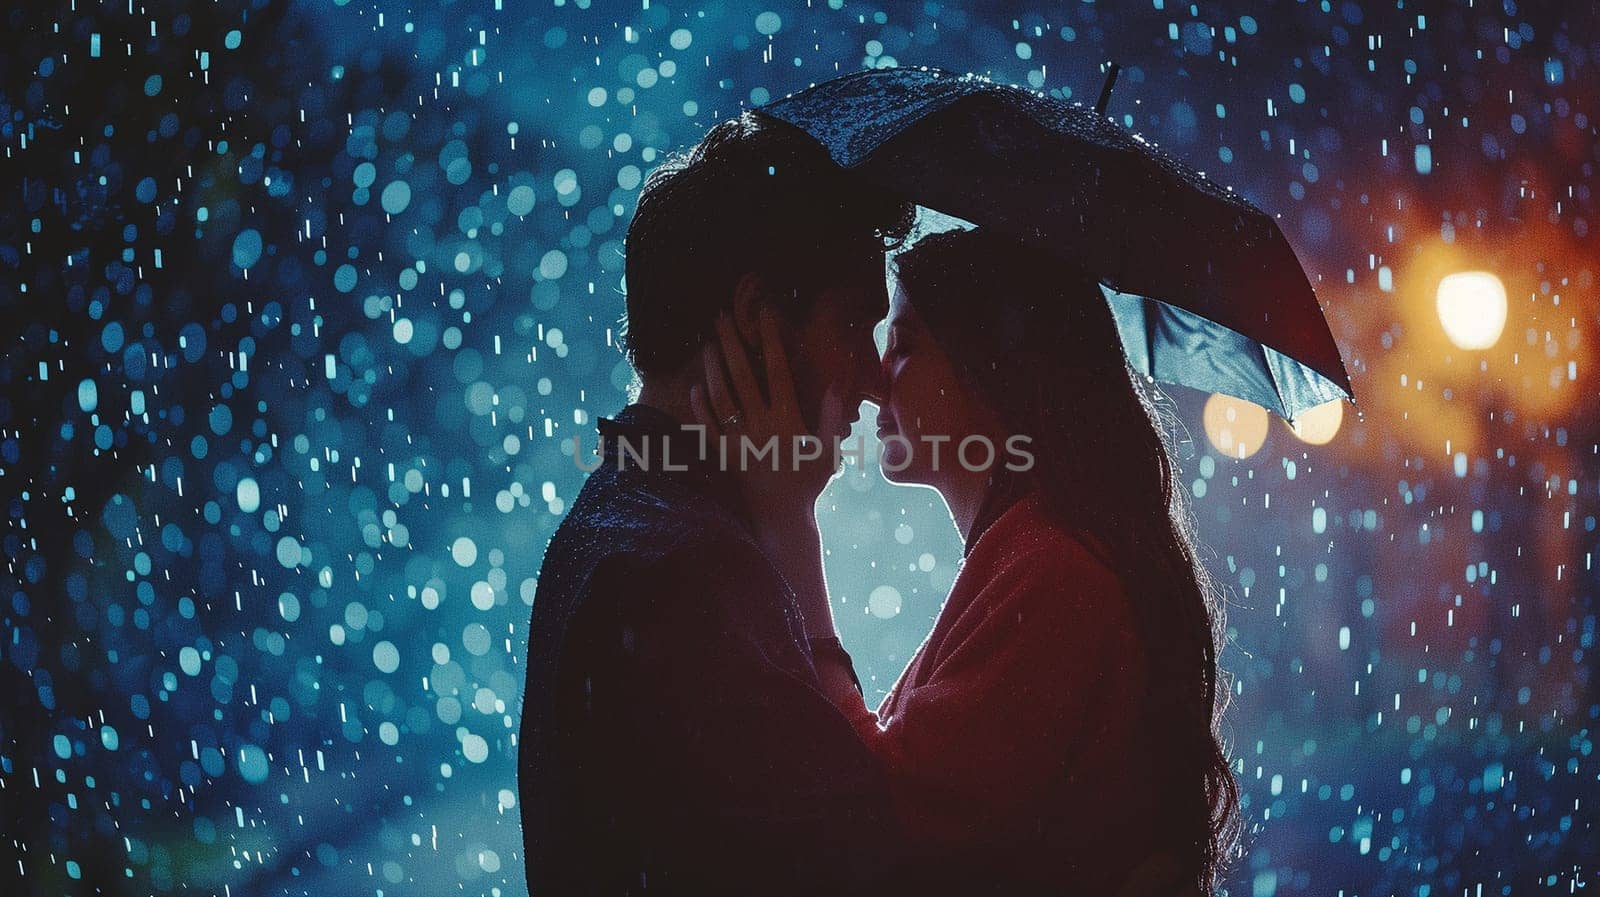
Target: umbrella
<point x="1206" y="291"/>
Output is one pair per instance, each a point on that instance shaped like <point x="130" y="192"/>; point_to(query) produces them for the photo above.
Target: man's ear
<point x="748" y="295"/>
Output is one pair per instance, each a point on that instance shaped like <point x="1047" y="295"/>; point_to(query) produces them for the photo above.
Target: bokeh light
<point x="1318" y="426"/>
<point x="1472" y="308"/>
<point x="1235" y="427"/>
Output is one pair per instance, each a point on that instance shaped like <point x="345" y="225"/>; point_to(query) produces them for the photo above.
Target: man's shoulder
<point x="641" y="540"/>
<point x="649" y="520"/>
<point x="655" y="568"/>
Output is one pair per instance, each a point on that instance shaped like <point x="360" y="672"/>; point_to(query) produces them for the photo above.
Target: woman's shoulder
<point x="1027" y="539"/>
<point x="1047" y="592"/>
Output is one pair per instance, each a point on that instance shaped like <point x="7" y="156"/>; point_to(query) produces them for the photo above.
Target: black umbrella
<point x="1206" y="291"/>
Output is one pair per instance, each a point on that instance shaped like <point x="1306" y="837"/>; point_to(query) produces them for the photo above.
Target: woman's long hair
<point x="1036" y="341"/>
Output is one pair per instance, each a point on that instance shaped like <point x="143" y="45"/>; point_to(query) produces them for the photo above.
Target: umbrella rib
<point x="1151" y="309"/>
<point x="1277" y="388"/>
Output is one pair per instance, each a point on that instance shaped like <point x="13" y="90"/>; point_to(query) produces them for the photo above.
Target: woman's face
<point x="927" y="412"/>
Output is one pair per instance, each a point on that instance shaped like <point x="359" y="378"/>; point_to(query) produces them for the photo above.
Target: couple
<point x="692" y="725"/>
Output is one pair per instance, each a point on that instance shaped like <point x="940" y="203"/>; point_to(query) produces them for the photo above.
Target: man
<point x="675" y="739"/>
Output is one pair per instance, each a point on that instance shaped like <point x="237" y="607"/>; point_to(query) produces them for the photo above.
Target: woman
<point x="1057" y="731"/>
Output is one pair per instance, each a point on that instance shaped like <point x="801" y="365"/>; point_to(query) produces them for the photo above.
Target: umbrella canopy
<point x="1206" y="291"/>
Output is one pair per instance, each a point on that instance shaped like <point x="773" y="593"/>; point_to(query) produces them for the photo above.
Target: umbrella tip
<point x="1105" y="90"/>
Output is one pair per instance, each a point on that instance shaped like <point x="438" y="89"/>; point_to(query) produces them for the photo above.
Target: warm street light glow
<point x="1318" y="426"/>
<point x="1472" y="308"/>
<point x="1236" y="428"/>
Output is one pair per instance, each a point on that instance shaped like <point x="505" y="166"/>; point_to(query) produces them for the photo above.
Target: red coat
<point x="1011" y="741"/>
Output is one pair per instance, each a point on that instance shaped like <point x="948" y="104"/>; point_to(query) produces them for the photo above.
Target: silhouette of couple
<point x="691" y="722"/>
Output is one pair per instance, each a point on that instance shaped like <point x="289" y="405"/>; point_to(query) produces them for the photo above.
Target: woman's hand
<point x="781" y="501"/>
<point x="794" y="465"/>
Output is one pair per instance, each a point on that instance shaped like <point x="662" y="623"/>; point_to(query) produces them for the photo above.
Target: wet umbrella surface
<point x="1206" y="290"/>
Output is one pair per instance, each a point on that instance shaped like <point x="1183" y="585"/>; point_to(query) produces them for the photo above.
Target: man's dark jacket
<point x="674" y="738"/>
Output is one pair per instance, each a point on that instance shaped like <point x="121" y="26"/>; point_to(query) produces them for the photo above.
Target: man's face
<point x="833" y="345"/>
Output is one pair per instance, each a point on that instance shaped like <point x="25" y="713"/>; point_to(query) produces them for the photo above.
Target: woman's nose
<point x="875" y="384"/>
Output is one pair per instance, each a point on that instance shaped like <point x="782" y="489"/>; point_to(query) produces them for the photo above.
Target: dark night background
<point x="304" y="305"/>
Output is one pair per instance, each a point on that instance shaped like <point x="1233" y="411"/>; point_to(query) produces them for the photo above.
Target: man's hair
<point x="755" y="195"/>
